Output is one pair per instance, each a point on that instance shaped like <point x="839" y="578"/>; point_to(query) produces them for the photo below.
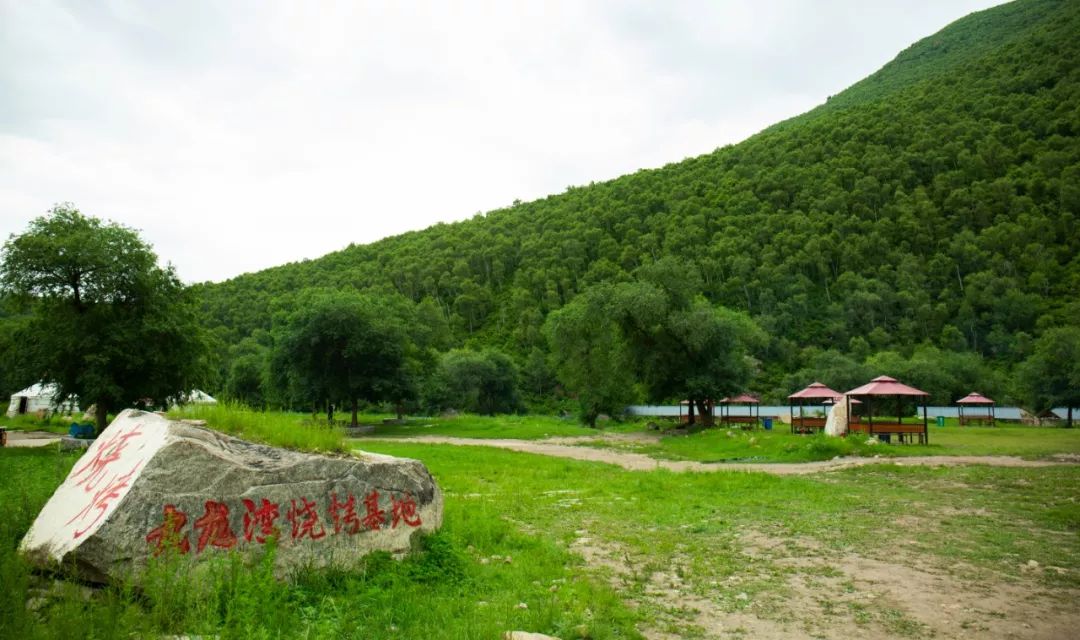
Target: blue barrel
<point x="768" y="423"/>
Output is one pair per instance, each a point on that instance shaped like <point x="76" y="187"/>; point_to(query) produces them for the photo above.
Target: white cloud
<point x="242" y="136"/>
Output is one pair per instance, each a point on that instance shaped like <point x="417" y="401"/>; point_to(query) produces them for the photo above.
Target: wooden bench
<point x="984" y="419"/>
<point x="745" y="422"/>
<point x="807" y="425"/>
<point x="903" y="432"/>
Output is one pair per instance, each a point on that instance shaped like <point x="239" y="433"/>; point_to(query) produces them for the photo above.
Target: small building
<point x="40" y="397"/>
<point x="879" y="394"/>
<point x="975" y="408"/>
<point x="818" y="394"/>
<point x="195" y="396"/>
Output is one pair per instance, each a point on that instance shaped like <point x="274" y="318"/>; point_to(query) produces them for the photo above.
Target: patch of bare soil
<point x="559" y="448"/>
<point x="31" y="438"/>
<point x="839" y="596"/>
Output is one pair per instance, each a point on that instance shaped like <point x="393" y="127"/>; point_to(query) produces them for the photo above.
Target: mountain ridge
<point x="885" y="218"/>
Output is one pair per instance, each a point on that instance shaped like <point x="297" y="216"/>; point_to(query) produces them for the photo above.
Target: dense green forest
<point x="922" y="223"/>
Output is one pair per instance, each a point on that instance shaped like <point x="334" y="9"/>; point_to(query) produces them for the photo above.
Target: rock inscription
<point x="149" y="485"/>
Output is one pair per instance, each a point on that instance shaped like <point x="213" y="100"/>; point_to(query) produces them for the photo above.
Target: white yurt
<point x="38" y="397"/>
<point x="198" y="396"/>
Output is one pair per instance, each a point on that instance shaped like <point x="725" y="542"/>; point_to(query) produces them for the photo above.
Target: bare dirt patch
<point x="557" y="447"/>
<point x="31" y="438"/>
<point x="827" y="595"/>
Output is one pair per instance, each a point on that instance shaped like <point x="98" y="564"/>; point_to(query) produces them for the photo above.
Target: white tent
<point x="198" y="396"/>
<point x="38" y="397"/>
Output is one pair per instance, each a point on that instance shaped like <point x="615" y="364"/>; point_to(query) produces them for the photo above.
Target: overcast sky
<point x="239" y="136"/>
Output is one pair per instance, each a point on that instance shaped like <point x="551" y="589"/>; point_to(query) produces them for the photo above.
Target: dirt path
<point x="565" y="448"/>
<point x="31" y="438"/>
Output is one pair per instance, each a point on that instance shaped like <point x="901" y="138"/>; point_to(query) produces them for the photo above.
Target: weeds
<point x="441" y="591"/>
<point x="288" y="430"/>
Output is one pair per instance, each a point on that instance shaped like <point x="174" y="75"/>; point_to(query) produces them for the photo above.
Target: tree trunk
<point x="354" y="422"/>
<point x="1068" y="417"/>
<point x="400" y="408"/>
<point x="706" y="415"/>
<point x="101" y="415"/>
<point x="690" y="412"/>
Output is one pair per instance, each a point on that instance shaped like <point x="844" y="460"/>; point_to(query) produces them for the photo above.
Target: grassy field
<point x="289" y="430"/>
<point x="587" y="550"/>
<point x="29" y="422"/>
<point x="705" y="532"/>
<point x="477" y="578"/>
<point x="529" y="427"/>
<point x="779" y="445"/>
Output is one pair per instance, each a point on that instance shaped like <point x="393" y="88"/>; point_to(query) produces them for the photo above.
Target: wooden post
<point x="925" y="423"/>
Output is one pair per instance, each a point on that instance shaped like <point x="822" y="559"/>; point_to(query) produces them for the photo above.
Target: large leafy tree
<point x="684" y="347"/>
<point x="589" y="354"/>
<point x="484" y="382"/>
<point x="1050" y="376"/>
<point x="657" y="333"/>
<point x="346" y="347"/>
<point x="107" y="323"/>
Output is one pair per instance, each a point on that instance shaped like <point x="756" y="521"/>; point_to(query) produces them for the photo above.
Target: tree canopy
<point x="932" y="204"/>
<point x="346" y="347"/>
<point x="922" y="221"/>
<point x="655" y="331"/>
<point x="104" y="321"/>
<point x="1050" y="377"/>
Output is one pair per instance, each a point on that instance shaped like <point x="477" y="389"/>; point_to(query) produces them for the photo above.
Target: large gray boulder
<point x="149" y="486"/>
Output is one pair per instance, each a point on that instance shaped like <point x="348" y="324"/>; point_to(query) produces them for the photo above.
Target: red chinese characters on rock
<point x="169" y="533"/>
<point x="344" y="515"/>
<point x="100" y="502"/>
<point x="305" y="520"/>
<point x="214" y="528"/>
<point x="375" y="517"/>
<point x="404" y="510"/>
<point x="101" y="480"/>
<point x="260" y="518"/>
<point x="108" y="452"/>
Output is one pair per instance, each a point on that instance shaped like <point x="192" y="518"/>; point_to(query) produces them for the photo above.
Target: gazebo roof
<point x="742" y="398"/>
<point x="886" y="386"/>
<point x="974" y="398"/>
<point x="816" y="391"/>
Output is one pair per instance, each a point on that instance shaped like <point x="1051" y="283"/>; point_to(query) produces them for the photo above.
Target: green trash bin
<point x="941" y="421"/>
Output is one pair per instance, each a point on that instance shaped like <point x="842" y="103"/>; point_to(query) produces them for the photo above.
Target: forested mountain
<point x="930" y="209"/>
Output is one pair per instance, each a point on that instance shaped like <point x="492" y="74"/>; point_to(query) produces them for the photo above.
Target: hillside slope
<point x="935" y="201"/>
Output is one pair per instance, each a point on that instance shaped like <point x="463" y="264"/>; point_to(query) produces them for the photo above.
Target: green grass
<point x="530" y="427"/>
<point x="719" y="444"/>
<point x="299" y="431"/>
<point x="699" y="527"/>
<point x="280" y="429"/>
<point x="988" y="521"/>
<point x="656" y="511"/>
<point x="30" y="422"/>
<point x="453" y="588"/>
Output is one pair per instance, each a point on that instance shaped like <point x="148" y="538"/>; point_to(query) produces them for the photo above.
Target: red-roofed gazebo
<point x="746" y="422"/>
<point x="816" y="391"/>
<point x="972" y="402"/>
<point x="878" y="391"/>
